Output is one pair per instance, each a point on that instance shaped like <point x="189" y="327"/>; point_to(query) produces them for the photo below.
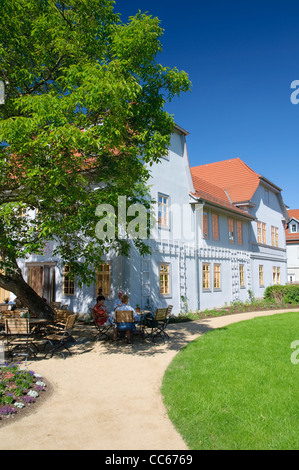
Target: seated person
<point x="117" y="303"/>
<point x="127" y="327"/>
<point x="101" y="315"/>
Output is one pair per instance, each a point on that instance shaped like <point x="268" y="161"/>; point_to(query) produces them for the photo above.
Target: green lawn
<point x="237" y="388"/>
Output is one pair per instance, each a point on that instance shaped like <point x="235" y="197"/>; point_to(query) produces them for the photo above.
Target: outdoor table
<point x="37" y="323"/>
<point x="144" y="313"/>
<point x="141" y="316"/>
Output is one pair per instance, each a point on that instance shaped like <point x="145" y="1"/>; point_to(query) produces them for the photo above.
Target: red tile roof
<point x="294" y="214"/>
<point x="215" y="195"/>
<point x="292" y="237"/>
<point x="232" y="176"/>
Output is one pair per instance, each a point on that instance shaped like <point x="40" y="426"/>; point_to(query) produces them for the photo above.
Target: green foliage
<point x="276" y="292"/>
<point x="289" y="293"/>
<point x="292" y="295"/>
<point x="85" y="100"/>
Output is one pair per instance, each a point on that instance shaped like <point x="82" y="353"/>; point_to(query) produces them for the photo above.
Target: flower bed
<point x="19" y="389"/>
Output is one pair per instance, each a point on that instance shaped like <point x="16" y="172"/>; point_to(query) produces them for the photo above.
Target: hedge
<point x="288" y="294"/>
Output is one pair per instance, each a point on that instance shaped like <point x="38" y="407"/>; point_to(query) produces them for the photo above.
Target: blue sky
<point x="241" y="57"/>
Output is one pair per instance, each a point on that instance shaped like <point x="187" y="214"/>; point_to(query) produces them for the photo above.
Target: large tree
<point x="83" y="113"/>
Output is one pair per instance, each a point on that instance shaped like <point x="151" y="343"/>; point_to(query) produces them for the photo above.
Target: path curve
<point x="107" y="397"/>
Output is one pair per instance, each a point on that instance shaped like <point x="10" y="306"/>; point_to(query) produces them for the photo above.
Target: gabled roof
<point x="292" y="237"/>
<point x="233" y="176"/>
<point x="294" y="214"/>
<point x="215" y="195"/>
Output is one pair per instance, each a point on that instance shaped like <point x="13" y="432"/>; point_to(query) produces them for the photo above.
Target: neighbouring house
<point x="263" y="238"/>
<point x="219" y="233"/>
<point x="292" y="239"/>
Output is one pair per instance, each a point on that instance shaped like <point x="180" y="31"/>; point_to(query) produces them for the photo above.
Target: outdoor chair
<point x="169" y="310"/>
<point x="4" y="308"/>
<point x="103" y="330"/>
<point x="55" y="305"/>
<point x="8" y="314"/>
<point x="18" y="336"/>
<point x="124" y="321"/>
<point x="58" y="340"/>
<point x="60" y="318"/>
<point x="157" y="324"/>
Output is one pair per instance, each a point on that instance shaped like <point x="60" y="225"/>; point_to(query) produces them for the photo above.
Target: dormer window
<point x="293" y="228"/>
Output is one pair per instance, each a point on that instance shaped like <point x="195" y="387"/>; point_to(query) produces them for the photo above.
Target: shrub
<point x="292" y="294"/>
<point x="275" y="293"/>
<point x="288" y="294"/>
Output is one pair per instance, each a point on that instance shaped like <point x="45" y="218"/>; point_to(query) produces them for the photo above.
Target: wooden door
<point x="42" y="281"/>
<point x="35" y="278"/>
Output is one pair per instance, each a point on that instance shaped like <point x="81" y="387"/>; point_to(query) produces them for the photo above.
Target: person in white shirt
<point x="117" y="303"/>
<point x="127" y="327"/>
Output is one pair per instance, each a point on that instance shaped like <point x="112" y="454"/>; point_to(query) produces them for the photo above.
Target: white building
<point x="292" y="238"/>
<point x="220" y="232"/>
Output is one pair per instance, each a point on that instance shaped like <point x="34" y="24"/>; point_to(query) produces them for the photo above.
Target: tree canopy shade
<point x="84" y="109"/>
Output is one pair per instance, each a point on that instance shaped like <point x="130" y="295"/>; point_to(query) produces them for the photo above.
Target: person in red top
<point x="100" y="311"/>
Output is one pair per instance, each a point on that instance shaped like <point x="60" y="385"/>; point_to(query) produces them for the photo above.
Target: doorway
<point x="41" y="277"/>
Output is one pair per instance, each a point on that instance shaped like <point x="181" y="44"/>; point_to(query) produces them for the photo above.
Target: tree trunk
<point x="15" y="283"/>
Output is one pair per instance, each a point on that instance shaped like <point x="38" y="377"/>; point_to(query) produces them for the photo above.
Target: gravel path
<point x="107" y="396"/>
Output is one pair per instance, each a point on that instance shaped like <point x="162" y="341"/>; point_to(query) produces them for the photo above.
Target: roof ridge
<point x="249" y="168"/>
<point x="225" y="161"/>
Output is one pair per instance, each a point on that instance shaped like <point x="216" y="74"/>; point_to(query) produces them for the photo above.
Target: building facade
<point x="219" y="233"/>
<point x="292" y="239"/>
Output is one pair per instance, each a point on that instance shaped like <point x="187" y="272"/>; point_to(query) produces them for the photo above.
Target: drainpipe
<point x="198" y="218"/>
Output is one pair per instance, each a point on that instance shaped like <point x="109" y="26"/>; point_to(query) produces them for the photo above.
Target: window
<point x="239" y="232"/>
<point x="264" y="233"/>
<point x="206" y="276"/>
<point x="241" y="275"/>
<point x="231" y="234"/>
<point x="205" y="225"/>
<point x="163" y="211"/>
<point x="4" y="294"/>
<point x="215" y="224"/>
<point x="217" y="280"/>
<point x="24" y="212"/>
<point x="67" y="282"/>
<point x="293" y="228"/>
<point x="164" y="279"/>
<point x="103" y="280"/>
<point x="276" y="275"/>
<point x="261" y="233"/>
<point x="274" y="236"/>
<point x="261" y="275"/>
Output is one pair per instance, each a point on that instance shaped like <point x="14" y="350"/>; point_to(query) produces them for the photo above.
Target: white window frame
<point x="161" y="223"/>
<point x="165" y="294"/>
